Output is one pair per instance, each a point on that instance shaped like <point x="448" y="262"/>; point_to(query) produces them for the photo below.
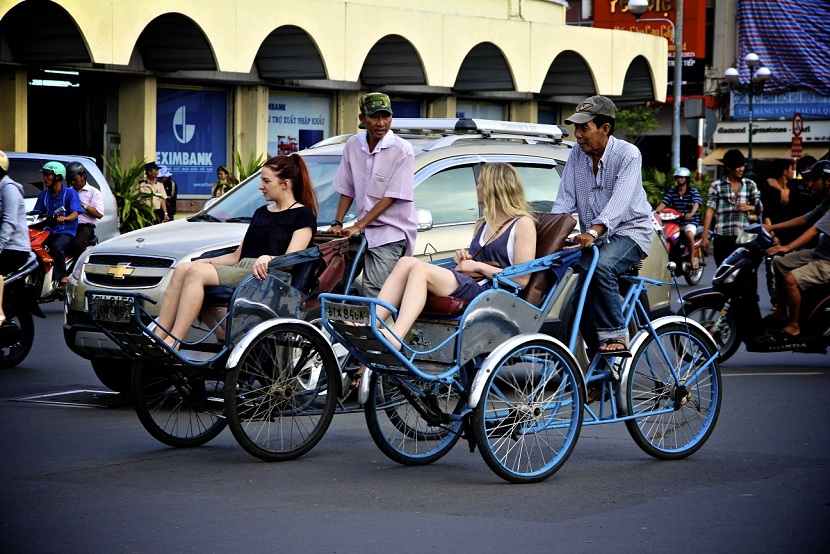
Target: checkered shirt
<point x="722" y="198"/>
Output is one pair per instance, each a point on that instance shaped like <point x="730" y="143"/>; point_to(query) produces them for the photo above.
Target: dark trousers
<point x="84" y="237"/>
<point x="724" y="245"/>
<point x="58" y="246"/>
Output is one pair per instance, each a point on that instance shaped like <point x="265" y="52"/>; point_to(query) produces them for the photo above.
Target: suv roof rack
<point x="486" y="127"/>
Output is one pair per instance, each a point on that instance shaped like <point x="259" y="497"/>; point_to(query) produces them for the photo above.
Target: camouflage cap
<point x="375" y="102"/>
<point x="591" y="107"/>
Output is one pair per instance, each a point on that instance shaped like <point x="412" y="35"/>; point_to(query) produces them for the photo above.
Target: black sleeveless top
<point x="270" y="232"/>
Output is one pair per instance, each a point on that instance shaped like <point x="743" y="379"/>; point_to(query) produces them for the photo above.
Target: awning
<point x="765" y="152"/>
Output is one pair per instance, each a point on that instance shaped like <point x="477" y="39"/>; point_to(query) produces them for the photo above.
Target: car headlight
<point x="79" y="264"/>
<point x="746" y="238"/>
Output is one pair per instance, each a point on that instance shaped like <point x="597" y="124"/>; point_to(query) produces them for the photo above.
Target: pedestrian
<point x="602" y="182"/>
<point x="686" y="200"/>
<point x="799" y="202"/>
<point x="225" y="182"/>
<point x="151" y="186"/>
<point x="377" y="172"/>
<point x="14" y="230"/>
<point x="170" y="188"/>
<point x="61" y="205"/>
<point x="801" y="268"/>
<point x="92" y="202"/>
<point x="731" y="199"/>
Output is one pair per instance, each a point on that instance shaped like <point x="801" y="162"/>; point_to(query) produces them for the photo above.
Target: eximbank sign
<point x="191" y="136"/>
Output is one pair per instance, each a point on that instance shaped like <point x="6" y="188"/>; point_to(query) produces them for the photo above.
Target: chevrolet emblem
<point x="121" y="270"/>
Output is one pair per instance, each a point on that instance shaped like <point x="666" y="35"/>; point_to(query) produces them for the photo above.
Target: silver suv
<point x="449" y="153"/>
<point x="25" y="168"/>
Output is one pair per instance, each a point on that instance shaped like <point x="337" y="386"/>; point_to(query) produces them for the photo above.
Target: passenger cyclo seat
<point x="552" y="231"/>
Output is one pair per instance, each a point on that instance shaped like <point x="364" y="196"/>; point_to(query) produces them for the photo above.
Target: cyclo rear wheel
<point x="179" y="409"/>
<point x="400" y="429"/>
<point x="689" y="407"/>
<point x="282" y="394"/>
<point x="530" y="413"/>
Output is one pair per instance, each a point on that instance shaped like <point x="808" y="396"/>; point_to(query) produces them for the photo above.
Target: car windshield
<point x="26" y="171"/>
<point x="240" y="203"/>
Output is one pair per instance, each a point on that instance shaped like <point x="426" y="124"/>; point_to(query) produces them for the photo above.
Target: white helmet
<point x="682" y="172"/>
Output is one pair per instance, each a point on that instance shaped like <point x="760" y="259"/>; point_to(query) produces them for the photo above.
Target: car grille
<point x="137" y="271"/>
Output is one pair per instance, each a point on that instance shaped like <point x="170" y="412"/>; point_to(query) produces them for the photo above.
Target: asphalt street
<point x="91" y="479"/>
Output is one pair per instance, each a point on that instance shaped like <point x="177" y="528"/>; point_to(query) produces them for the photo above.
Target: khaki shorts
<point x="232" y="275"/>
<point x="805" y="269"/>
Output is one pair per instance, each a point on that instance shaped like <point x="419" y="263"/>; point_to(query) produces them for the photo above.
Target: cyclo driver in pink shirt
<point x="377" y="170"/>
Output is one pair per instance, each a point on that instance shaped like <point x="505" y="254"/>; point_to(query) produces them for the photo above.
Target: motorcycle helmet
<point x="4" y="161"/>
<point x="682" y="172"/>
<point x="54" y="167"/>
<point x="819" y="169"/>
<point x="74" y="168"/>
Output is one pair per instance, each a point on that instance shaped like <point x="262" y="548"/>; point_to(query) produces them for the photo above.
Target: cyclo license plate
<point x="348" y="312"/>
<point x="116" y="309"/>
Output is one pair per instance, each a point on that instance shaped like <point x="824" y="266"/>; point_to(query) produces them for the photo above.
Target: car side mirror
<point x="423" y="218"/>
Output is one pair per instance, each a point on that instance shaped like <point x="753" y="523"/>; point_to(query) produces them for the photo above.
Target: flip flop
<point x="619" y="352"/>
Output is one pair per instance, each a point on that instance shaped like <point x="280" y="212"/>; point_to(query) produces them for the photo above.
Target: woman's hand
<point x="261" y="266"/>
<point x="461" y="255"/>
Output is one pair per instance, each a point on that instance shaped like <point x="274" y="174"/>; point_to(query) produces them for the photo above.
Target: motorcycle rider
<point x="686" y="200"/>
<point x="92" y="203"/>
<point x="14" y="232"/>
<point x="798" y="270"/>
<point x="63" y="226"/>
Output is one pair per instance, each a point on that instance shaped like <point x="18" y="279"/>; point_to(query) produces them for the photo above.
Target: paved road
<point x="92" y="480"/>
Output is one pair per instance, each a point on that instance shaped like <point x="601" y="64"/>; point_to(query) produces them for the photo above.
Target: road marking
<point x="785" y="374"/>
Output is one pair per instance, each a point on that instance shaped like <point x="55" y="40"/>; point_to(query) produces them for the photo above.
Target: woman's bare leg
<point x="170" y="302"/>
<point x="192" y="294"/>
<point x="393" y="289"/>
<point x="421" y="279"/>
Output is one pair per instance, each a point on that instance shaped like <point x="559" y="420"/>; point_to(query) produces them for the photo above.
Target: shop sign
<point x="297" y="121"/>
<point x="809" y="104"/>
<point x="192" y="136"/>
<point x="735" y="132"/>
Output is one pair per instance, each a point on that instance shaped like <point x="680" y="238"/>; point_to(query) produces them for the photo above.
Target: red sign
<point x="796" y="151"/>
<point x="614" y="14"/>
<point x="798" y="125"/>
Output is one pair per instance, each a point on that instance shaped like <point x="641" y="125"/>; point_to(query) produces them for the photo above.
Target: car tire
<point x="112" y="374"/>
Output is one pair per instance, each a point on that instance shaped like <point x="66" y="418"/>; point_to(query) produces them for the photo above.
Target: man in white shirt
<point x="92" y="202"/>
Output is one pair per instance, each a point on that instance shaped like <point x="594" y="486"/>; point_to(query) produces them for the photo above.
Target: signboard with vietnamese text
<point x="192" y="135"/>
<point x="297" y="121"/>
<point x="658" y="21"/>
<point x="735" y="132"/>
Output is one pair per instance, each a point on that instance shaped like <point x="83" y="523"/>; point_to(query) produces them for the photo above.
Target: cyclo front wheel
<point x="530" y="413"/>
<point x="177" y="408"/>
<point x="282" y="393"/>
<point x="406" y="417"/>
<point x="675" y="417"/>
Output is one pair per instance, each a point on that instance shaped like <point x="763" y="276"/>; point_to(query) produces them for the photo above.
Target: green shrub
<point x="133" y="212"/>
<point x="246" y="169"/>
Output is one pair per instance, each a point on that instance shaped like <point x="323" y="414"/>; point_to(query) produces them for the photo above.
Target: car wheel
<point x="112" y="373"/>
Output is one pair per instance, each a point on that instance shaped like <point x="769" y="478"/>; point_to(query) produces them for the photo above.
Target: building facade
<point x="189" y="83"/>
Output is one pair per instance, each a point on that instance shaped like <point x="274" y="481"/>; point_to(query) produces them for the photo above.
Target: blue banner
<point x="192" y="136"/>
<point x="810" y="105"/>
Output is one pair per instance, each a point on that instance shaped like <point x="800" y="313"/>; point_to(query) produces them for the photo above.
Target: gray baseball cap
<point x="591" y="107"/>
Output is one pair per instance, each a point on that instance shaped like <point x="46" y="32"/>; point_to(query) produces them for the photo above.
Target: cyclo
<point x="485" y="372"/>
<point x="263" y="367"/>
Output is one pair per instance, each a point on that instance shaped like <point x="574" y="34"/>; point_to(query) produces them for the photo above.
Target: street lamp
<point x="755" y="86"/>
<point x="638" y="8"/>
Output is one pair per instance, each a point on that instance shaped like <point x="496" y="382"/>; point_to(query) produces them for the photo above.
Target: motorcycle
<point x="17" y="334"/>
<point x="45" y="287"/>
<point x="671" y="224"/>
<point x="730" y="311"/>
